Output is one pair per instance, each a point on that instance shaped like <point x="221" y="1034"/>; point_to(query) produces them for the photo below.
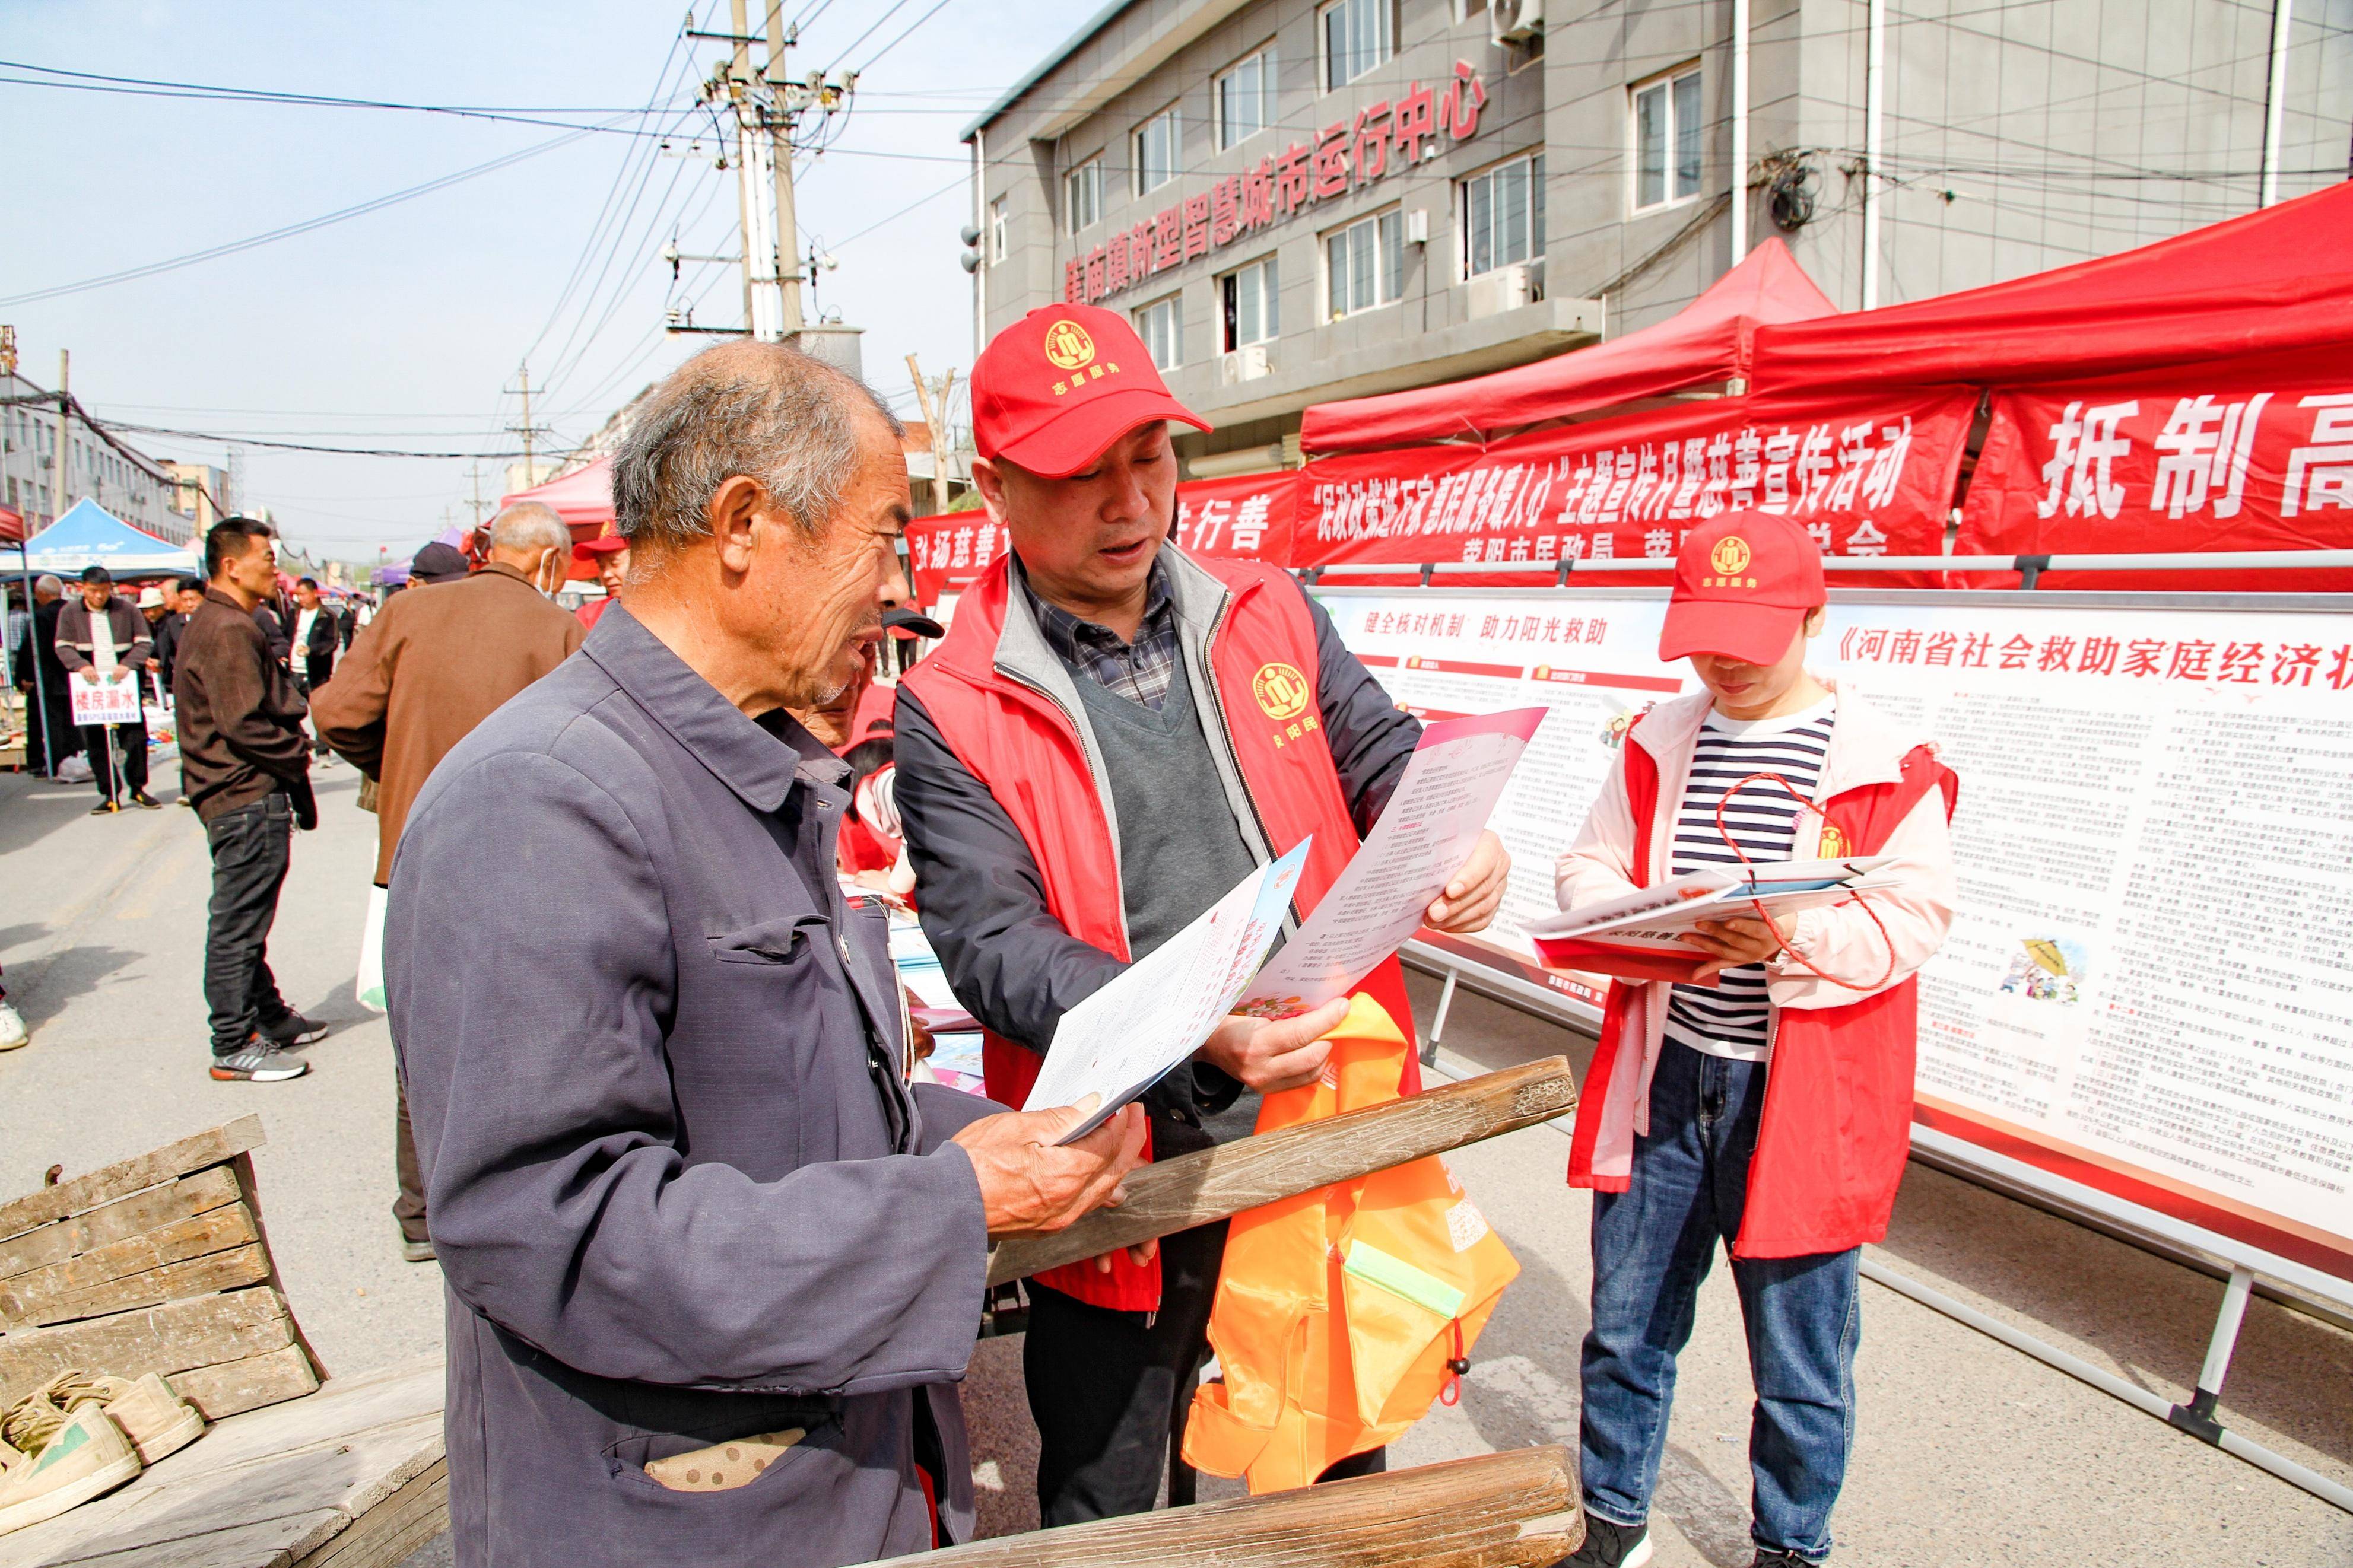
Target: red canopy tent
<point x="1710" y="340"/>
<point x="2278" y="279"/>
<point x="583" y="499"/>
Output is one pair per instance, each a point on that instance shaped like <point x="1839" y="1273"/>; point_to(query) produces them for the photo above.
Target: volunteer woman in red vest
<point x="1113" y="734"/>
<point x="1769" y="1107"/>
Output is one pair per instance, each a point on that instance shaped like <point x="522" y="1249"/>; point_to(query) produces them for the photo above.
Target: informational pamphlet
<point x="1125" y="1038"/>
<point x="104" y="701"/>
<point x="1426" y="832"/>
<point x="1648" y="925"/>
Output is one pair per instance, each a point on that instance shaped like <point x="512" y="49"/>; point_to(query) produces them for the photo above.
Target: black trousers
<point x="50" y="734"/>
<point x="315" y="671"/>
<point x="1108" y="1389"/>
<point x="131" y="741"/>
<point x="250" y="846"/>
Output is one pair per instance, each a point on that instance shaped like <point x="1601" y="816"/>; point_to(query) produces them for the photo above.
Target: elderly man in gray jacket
<point x="715" y="1268"/>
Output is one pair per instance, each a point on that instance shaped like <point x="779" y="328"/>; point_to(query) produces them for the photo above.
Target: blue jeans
<point x="1652" y="1244"/>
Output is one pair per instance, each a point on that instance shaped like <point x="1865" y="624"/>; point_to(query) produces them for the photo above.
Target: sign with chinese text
<point x="2250" y="455"/>
<point x="1348" y="154"/>
<point x="104" y="701"/>
<point x="949" y="552"/>
<point x="1865" y="480"/>
<point x="2144" y="986"/>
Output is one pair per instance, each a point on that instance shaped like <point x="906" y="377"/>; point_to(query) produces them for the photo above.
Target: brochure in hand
<point x="1639" y="936"/>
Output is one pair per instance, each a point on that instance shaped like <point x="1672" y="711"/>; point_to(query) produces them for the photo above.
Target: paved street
<point x="1968" y="1452"/>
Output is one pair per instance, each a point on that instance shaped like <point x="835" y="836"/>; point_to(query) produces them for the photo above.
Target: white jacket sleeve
<point x="1916" y="911"/>
<point x="1600" y="864"/>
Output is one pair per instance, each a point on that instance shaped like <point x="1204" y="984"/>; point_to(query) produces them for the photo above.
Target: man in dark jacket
<point x="180" y="602"/>
<point x="103" y="639"/>
<point x="51" y="735"/>
<point x="693" y="1220"/>
<point x="1112" y="736"/>
<point x="246" y="764"/>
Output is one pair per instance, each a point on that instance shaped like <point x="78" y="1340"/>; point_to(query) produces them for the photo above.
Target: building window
<point x="1355" y="35"/>
<point x="1252" y="299"/>
<point x="1243" y="98"/>
<point x="1161" y="325"/>
<point x="1503" y="216"/>
<point x="1155" y="151"/>
<point x="999" y="223"/>
<point x="1666" y="138"/>
<point x="1365" y="264"/>
<point x="1083" y="193"/>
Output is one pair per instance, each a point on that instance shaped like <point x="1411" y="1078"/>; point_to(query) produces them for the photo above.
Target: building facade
<point x="1305" y="200"/>
<point x="135" y="487"/>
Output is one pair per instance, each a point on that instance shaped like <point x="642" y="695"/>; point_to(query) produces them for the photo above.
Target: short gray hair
<point x="766" y="411"/>
<point x="48" y="583"/>
<point x="528" y="525"/>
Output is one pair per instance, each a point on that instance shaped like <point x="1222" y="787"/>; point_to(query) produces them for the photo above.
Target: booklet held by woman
<point x="1639" y="935"/>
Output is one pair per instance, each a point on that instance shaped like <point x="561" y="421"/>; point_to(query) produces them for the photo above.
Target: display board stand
<point x="1442" y="649"/>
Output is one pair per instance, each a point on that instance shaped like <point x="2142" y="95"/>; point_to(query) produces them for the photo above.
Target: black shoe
<point x="293" y="1031"/>
<point x="1780" y="1559"/>
<point x="1609" y="1545"/>
<point x="261" y="1061"/>
<point x="139" y="797"/>
<point x="104" y="808"/>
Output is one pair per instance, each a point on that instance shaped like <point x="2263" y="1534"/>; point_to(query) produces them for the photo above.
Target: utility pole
<point x="476" y="470"/>
<point x="64" y="439"/>
<point x="780" y="133"/>
<point x="936" y="420"/>
<point x="528" y="432"/>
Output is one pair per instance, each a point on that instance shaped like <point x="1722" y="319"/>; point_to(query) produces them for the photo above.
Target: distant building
<point x="136" y="487"/>
<point x="201" y="493"/>
<point x="1297" y="201"/>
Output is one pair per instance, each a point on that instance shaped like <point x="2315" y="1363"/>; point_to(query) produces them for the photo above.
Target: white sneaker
<point x="13" y="1033"/>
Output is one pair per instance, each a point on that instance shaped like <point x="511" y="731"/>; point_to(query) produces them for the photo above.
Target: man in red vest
<point x="1113" y="734"/>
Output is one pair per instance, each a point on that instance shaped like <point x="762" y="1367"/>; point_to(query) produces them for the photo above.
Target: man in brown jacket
<point x="245" y="764"/>
<point x="435" y="662"/>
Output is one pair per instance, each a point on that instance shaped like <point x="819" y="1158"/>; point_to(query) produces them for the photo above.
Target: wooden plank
<point x="385" y="1535"/>
<point x="1513" y="1510"/>
<point x="125" y="1217"/>
<point x="240" y="1266"/>
<point x="1194" y="1189"/>
<point x="274" y="1543"/>
<point x="204" y="1330"/>
<point x="233" y="1387"/>
<point x="200" y="1235"/>
<point x="250" y="1181"/>
<point x="211" y="1147"/>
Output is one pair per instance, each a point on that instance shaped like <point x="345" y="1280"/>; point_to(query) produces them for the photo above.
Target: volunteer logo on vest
<point x="1280" y="690"/>
<point x="1068" y="347"/>
<point x="1833" y="842"/>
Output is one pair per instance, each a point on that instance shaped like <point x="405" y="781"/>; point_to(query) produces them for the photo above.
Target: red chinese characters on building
<point x="1346" y="155"/>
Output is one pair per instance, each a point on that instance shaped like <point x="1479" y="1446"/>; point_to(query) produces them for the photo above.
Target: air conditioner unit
<point x="1505" y="288"/>
<point x="1245" y="364"/>
<point x="1515" y="21"/>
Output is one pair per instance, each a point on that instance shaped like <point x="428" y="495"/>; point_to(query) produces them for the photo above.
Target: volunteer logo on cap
<point x="1055" y="389"/>
<point x="1744" y="583"/>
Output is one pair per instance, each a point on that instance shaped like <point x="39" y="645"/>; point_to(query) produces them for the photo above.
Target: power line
<point x="935" y="10"/>
<point x="342" y="215"/>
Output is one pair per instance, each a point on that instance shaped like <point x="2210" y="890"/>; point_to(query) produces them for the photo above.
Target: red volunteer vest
<point x="1027" y="753"/>
<point x="1838" y="1098"/>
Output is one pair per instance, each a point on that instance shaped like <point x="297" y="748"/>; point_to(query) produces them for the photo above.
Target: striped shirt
<point x="1730" y="1018"/>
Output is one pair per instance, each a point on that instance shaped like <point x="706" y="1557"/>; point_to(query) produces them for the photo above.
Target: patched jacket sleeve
<point x="1371" y="737"/>
<point x="982" y="900"/>
<point x="534" y="1053"/>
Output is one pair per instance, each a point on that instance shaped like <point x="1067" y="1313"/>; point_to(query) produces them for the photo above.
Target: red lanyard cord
<point x="1732" y="844"/>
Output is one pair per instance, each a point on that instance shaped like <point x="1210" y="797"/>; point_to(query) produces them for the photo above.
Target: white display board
<point x="104" y="701"/>
<point x="2148" y="989"/>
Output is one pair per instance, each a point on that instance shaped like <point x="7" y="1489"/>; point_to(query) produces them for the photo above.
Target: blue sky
<point x="404" y="327"/>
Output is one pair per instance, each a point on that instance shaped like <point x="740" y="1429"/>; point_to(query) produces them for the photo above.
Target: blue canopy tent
<point x="90" y="535"/>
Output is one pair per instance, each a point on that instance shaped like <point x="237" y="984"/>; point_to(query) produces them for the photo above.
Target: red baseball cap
<point x="1055" y="389"/>
<point x="1744" y="583"/>
<point x="603" y="545"/>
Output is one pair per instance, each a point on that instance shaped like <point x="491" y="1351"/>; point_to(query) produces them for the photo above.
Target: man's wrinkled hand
<point x="1470" y="900"/>
<point x="1268" y="1055"/>
<point x="1030" y="1187"/>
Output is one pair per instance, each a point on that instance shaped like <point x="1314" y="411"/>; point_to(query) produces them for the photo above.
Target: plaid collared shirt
<point x="1141" y="671"/>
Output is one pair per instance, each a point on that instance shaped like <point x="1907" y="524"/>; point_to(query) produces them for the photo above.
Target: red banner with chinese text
<point x="1866" y="478"/>
<point x="2254" y="454"/>
<point x="1249" y="517"/>
<point x="948" y="552"/>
